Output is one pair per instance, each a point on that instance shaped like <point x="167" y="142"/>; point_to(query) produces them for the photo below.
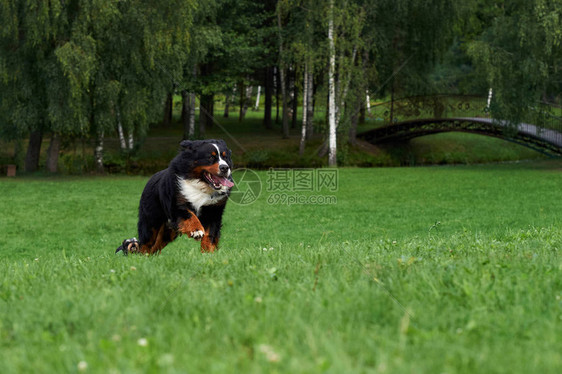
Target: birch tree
<point x="332" y="145"/>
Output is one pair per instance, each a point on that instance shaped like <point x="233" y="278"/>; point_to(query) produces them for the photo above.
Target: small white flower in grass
<point x="37" y="259"/>
<point x="258" y="299"/>
<point x="142" y="342"/>
<point x="111" y="271"/>
<point x="82" y="366"/>
<point x="269" y="353"/>
<point x="167" y="359"/>
<point x="133" y="268"/>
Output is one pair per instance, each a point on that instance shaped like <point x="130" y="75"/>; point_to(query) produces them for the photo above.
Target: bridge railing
<point x="434" y="106"/>
<point x="543" y="115"/>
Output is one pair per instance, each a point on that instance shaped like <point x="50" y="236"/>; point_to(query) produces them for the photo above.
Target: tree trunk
<point x="282" y="81"/>
<point x="33" y="151"/>
<point x="227" y="105"/>
<point x="343" y="88"/>
<point x="357" y="104"/>
<point x="98" y="152"/>
<point x="202" y="116"/>
<point x="122" y="142"/>
<point x="211" y="110"/>
<point x="392" y="102"/>
<point x="168" y="108"/>
<point x="205" y="113"/>
<point x="257" y="106"/>
<point x="277" y="101"/>
<point x="368" y="102"/>
<point x="304" y="110"/>
<point x="310" y="106"/>
<point x="295" y="98"/>
<point x="191" y="131"/>
<point x="185" y="113"/>
<point x="248" y="98"/>
<point x="268" y="97"/>
<point x="362" y="115"/>
<point x="285" y="104"/>
<point x="19" y="158"/>
<point x="245" y="97"/>
<point x="131" y="140"/>
<point x="332" y="156"/>
<point x="53" y="154"/>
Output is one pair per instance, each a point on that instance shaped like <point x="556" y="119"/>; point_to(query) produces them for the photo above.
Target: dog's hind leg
<point x="158" y="241"/>
<point x="129" y="246"/>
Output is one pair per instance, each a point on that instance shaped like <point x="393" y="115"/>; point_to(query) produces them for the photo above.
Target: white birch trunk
<point x="368" y="102"/>
<point x="343" y="93"/>
<point x="489" y="98"/>
<point x="98" y="152"/>
<point x="247" y="99"/>
<point x="120" y="130"/>
<point x="332" y="157"/>
<point x="257" y="106"/>
<point x="131" y="140"/>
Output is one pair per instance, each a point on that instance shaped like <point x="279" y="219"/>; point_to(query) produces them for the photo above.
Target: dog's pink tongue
<point x="225" y="182"/>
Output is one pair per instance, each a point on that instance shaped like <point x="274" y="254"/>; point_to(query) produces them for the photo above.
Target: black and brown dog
<point x="188" y="198"/>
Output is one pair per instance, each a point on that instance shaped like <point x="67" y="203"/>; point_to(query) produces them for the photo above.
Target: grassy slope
<point x="446" y="269"/>
<point x="257" y="147"/>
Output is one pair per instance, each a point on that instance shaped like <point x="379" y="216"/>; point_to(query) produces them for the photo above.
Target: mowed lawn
<point x="421" y="270"/>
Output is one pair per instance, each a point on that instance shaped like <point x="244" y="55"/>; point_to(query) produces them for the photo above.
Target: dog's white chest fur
<point x="199" y="194"/>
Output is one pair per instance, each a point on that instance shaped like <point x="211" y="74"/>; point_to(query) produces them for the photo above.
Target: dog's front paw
<point x="129" y="246"/>
<point x="197" y="235"/>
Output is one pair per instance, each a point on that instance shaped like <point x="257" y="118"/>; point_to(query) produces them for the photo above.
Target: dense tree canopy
<point x="518" y="46"/>
<point x="88" y="69"/>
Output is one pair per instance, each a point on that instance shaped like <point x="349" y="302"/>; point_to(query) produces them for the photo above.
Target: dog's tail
<point x="129" y="246"/>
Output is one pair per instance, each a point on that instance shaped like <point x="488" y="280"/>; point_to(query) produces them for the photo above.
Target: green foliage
<point x="71" y="66"/>
<point x="81" y="67"/>
<point x="519" y="49"/>
<point x="411" y="36"/>
<point x="227" y="47"/>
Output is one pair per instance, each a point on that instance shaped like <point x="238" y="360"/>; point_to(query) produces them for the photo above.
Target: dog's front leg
<point x="191" y="226"/>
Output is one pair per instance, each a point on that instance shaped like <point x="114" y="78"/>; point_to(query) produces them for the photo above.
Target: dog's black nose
<point x="223" y="169"/>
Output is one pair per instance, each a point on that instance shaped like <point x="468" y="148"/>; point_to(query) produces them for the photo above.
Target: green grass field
<point x="421" y="270"/>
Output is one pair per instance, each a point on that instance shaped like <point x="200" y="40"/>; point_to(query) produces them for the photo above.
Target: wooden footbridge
<point x="425" y="115"/>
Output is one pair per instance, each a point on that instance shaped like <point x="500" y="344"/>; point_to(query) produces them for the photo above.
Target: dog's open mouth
<point x="217" y="182"/>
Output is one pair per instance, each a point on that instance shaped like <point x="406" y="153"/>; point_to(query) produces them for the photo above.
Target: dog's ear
<point x="186" y="145"/>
